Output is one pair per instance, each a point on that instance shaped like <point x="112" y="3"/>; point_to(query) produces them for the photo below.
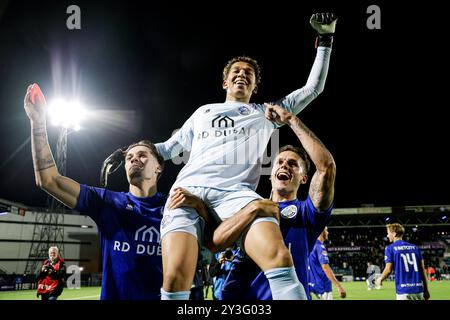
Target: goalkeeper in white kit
<point x="226" y="143"/>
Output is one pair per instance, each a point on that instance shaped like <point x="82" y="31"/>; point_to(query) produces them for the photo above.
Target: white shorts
<point x="222" y="205"/>
<point x="410" y="296"/>
<point x="240" y="241"/>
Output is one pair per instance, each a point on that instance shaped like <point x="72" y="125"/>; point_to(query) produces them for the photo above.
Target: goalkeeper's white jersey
<point x="227" y="140"/>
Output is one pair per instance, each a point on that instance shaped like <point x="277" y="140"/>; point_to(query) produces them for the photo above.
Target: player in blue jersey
<point x="320" y="274"/>
<point x="406" y="261"/>
<point x="227" y="142"/>
<point x="128" y="223"/>
<point x="301" y="221"/>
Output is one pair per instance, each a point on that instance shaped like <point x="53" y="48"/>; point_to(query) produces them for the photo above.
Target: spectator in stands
<point x="52" y="277"/>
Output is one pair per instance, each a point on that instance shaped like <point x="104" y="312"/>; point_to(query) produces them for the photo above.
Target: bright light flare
<point x="67" y="114"/>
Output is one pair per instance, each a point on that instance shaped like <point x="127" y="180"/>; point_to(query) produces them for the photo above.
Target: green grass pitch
<point x="355" y="291"/>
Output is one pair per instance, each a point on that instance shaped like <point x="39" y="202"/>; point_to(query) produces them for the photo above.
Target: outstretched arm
<point x="330" y="275"/>
<point x="45" y="170"/>
<point x="321" y="190"/>
<point x="229" y="231"/>
<point x="324" y="24"/>
<point x="180" y="141"/>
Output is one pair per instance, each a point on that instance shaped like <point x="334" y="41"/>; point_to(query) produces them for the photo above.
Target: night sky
<point x="145" y="67"/>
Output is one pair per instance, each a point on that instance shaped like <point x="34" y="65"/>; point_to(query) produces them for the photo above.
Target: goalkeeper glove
<point x="325" y="25"/>
<point x="110" y="165"/>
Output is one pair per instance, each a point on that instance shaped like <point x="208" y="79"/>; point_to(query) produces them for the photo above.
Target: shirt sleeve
<point x="388" y="255"/>
<point x="180" y="140"/>
<point x="314" y="220"/>
<point x="323" y="255"/>
<point x="297" y="100"/>
<point x="91" y="201"/>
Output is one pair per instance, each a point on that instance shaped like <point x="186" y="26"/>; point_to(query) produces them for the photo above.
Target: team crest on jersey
<point x="289" y="212"/>
<point x="207" y="110"/>
<point x="325" y="253"/>
<point x="243" y="110"/>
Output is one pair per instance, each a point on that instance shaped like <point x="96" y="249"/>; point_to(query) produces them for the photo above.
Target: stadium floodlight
<point x="67" y="114"/>
<point x="81" y="269"/>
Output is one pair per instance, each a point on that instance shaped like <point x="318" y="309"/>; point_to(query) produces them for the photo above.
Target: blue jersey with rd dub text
<point x="300" y="224"/>
<point x="407" y="261"/>
<point x="130" y="241"/>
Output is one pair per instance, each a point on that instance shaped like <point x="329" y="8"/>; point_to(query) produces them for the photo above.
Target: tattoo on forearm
<point x="301" y="129"/>
<point x="321" y="192"/>
<point x="42" y="155"/>
<point x="39" y="130"/>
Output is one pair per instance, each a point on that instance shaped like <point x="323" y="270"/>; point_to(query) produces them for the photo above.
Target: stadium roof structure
<point x="428" y="215"/>
<point x="12" y="207"/>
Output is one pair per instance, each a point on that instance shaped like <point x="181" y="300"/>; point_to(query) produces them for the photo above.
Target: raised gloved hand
<point x="325" y="25"/>
<point x="110" y="165"/>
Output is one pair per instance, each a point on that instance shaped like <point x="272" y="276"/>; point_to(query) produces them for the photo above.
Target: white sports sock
<point x="179" y="295"/>
<point x="284" y="284"/>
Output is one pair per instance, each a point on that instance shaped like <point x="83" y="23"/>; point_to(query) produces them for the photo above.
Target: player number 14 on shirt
<point x="409" y="259"/>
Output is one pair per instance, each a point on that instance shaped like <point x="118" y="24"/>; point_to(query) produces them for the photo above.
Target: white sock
<point x="179" y="295"/>
<point x="284" y="284"/>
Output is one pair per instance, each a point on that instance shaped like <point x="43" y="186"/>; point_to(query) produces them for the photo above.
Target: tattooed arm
<point x="321" y="190"/>
<point x="45" y="171"/>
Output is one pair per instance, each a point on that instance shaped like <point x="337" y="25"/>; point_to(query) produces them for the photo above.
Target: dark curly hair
<point x="250" y="61"/>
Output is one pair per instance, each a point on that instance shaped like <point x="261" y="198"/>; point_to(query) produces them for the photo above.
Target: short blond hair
<point x="397" y="228"/>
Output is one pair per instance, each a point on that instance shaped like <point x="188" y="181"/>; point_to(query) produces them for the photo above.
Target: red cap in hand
<point x="37" y="97"/>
